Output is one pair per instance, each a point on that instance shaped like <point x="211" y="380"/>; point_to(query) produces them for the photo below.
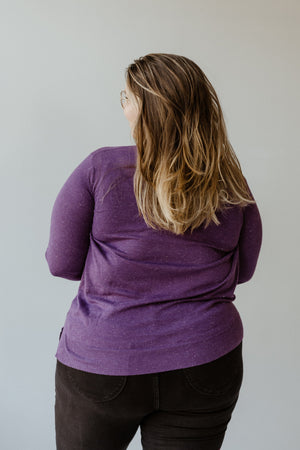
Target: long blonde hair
<point x="186" y="168"/>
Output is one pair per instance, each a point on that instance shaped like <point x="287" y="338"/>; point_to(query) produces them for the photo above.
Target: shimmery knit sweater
<point x="148" y="300"/>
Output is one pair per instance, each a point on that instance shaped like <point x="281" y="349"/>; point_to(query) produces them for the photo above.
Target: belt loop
<point x="60" y="333"/>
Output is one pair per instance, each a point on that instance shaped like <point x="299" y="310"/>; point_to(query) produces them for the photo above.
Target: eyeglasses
<point x="123" y="98"/>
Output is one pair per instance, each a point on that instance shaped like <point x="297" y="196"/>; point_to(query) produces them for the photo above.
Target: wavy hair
<point x="186" y="168"/>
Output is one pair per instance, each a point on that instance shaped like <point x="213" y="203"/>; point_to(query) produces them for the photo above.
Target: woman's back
<point x="149" y="300"/>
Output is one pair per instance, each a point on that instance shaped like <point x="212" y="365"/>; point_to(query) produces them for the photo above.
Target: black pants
<point x="183" y="409"/>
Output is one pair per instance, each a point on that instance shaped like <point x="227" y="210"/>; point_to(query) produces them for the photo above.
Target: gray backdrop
<point x="62" y="68"/>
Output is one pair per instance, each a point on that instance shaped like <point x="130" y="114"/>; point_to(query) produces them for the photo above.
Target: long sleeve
<point x="71" y="223"/>
<point x="249" y="242"/>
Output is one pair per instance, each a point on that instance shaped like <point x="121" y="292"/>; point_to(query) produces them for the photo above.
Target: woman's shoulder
<point x="107" y="150"/>
<point x="107" y="160"/>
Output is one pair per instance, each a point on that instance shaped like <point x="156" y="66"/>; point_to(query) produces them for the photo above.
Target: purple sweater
<point x="148" y="300"/>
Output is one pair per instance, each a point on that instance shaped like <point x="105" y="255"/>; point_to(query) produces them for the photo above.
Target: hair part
<point x="186" y="169"/>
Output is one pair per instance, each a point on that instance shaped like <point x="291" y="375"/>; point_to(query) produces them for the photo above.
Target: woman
<point x="159" y="235"/>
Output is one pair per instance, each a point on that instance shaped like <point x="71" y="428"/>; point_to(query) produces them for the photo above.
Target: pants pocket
<point x="221" y="376"/>
<point x="96" y="387"/>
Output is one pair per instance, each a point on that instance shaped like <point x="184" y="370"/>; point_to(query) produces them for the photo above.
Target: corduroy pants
<point x="183" y="409"/>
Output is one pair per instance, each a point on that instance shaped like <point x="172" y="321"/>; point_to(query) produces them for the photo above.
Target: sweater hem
<point x="138" y="362"/>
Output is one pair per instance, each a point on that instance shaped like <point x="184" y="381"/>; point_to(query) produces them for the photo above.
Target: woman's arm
<point x="249" y="242"/>
<point x="71" y="224"/>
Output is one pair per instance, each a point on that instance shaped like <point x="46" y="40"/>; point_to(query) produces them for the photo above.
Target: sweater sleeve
<point x="250" y="241"/>
<point x="71" y="224"/>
